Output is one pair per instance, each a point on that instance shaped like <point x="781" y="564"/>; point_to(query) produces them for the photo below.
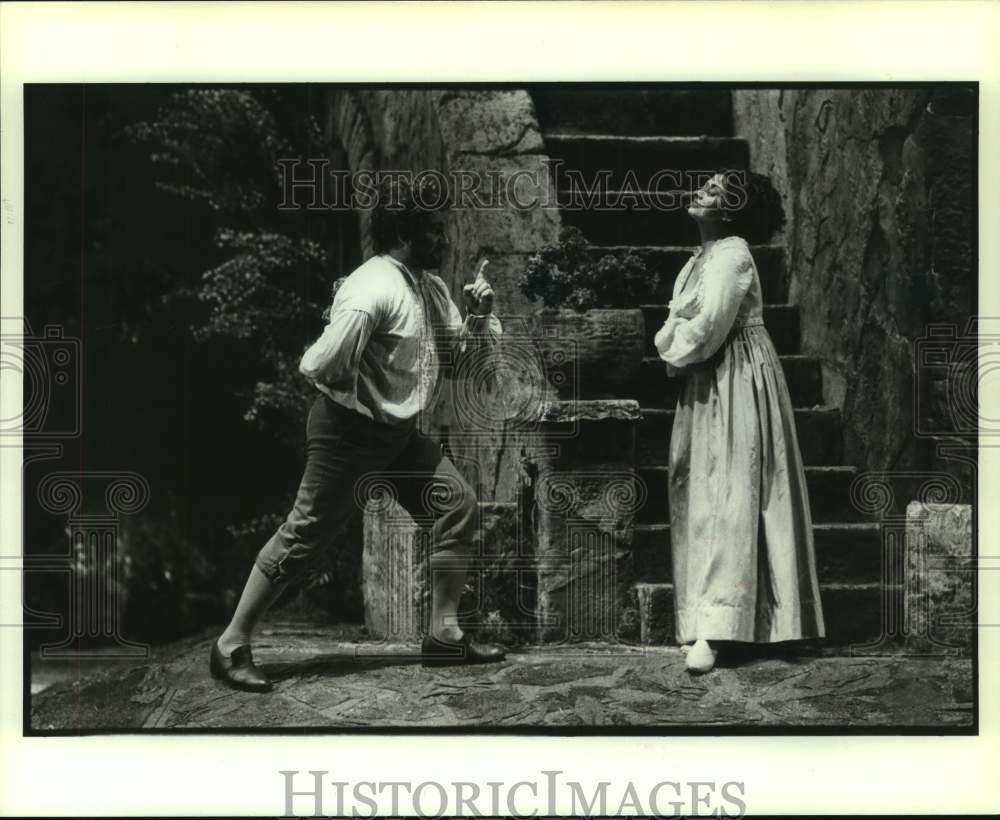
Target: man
<point x="377" y="369"/>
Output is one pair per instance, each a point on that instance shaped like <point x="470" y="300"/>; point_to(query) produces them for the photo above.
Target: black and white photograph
<point x="583" y="406"/>
<point x="503" y="409"/>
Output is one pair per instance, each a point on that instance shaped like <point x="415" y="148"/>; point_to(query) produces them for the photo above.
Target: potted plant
<point x="590" y="324"/>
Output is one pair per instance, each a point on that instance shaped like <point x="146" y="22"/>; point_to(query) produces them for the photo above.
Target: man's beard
<point x="429" y="258"/>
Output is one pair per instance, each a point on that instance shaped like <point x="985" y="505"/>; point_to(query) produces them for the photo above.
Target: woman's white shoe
<point x="701" y="658"/>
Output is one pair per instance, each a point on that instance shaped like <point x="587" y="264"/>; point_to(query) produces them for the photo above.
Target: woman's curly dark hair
<point x="760" y="215"/>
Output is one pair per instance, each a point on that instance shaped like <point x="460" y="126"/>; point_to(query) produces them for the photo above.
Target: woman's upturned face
<point x="708" y="202"/>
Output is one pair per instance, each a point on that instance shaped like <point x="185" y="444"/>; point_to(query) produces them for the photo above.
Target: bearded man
<point x="377" y="369"/>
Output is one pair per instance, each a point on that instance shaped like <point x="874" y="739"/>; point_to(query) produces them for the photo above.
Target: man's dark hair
<point x="402" y="204"/>
<point x="761" y="215"/>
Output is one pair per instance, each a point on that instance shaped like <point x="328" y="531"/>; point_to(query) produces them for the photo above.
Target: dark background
<point x="188" y="338"/>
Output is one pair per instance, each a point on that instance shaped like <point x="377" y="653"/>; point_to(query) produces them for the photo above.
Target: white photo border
<point x="216" y="775"/>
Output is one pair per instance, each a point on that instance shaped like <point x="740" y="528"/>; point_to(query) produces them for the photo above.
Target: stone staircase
<point x="643" y="131"/>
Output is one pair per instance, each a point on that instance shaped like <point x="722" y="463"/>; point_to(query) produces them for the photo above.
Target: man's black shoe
<point x="238" y="670"/>
<point x="436" y="652"/>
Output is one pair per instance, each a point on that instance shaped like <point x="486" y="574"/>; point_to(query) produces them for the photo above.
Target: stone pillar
<point x="499" y="599"/>
<point x="939" y="600"/>
<point x="394" y="568"/>
<point x="586" y="498"/>
<point x="924" y="574"/>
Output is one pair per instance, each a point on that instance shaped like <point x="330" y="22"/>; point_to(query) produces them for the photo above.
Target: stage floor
<point x="325" y="682"/>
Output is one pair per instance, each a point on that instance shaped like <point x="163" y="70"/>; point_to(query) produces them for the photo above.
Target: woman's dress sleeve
<point x="665" y="335"/>
<point x="726" y="277"/>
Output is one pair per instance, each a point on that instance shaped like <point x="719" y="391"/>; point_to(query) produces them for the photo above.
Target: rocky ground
<point x="330" y="679"/>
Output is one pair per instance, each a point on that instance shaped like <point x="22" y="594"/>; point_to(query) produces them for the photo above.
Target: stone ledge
<point x="566" y="412"/>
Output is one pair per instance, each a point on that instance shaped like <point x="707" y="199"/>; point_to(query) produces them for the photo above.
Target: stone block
<point x="633" y="111"/>
<point x="590" y="354"/>
<point x="940" y="566"/>
<point x="489" y="122"/>
<point x="511" y="208"/>
<point x="586" y="496"/>
<point x="498" y="603"/>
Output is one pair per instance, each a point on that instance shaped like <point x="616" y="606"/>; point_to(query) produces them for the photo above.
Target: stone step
<point x="802" y="373"/>
<point x="781" y="321"/>
<point x="853" y="612"/>
<point x="630" y="226"/>
<point x="643" y="160"/>
<point x="627" y="110"/>
<point x="829" y="494"/>
<point x="844" y="552"/>
<point x="819" y="433"/>
<point x="666" y="261"/>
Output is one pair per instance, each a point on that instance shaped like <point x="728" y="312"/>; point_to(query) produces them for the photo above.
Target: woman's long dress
<point x="741" y="531"/>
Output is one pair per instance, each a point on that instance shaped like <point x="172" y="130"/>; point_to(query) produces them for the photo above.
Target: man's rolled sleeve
<point x="354" y="315"/>
<point x="335" y="356"/>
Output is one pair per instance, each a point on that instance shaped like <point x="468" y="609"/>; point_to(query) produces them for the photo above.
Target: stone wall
<point x="493" y="134"/>
<point x="878" y="189"/>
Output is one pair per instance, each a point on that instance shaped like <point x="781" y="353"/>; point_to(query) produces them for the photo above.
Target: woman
<point x="741" y="530"/>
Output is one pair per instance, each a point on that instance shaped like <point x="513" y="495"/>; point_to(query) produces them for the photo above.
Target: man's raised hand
<point x="479" y="295"/>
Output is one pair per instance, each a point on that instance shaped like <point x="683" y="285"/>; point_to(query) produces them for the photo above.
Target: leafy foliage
<point x="567" y="275"/>
<point x="221" y="147"/>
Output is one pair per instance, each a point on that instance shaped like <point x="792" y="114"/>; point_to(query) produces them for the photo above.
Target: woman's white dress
<point x="741" y="532"/>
